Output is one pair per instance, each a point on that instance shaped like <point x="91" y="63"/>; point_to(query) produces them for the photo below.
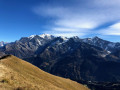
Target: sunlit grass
<point x="21" y="75"/>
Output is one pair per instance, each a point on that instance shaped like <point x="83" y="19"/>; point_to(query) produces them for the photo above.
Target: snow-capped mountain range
<point x="44" y="36"/>
<point x="106" y="45"/>
<point x="96" y="41"/>
<point x="36" y="44"/>
<point x="74" y="58"/>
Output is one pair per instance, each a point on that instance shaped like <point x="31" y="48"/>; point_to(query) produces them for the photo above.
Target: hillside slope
<point x="16" y="74"/>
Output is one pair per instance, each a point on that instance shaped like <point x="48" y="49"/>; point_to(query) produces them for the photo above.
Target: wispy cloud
<point x="66" y="34"/>
<point x="111" y="30"/>
<point x="64" y="29"/>
<point x="82" y="15"/>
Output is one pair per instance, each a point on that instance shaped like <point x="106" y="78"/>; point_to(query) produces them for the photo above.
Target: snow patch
<point x="32" y="36"/>
<point x="65" y="39"/>
<point x="48" y="36"/>
<point x="39" y="42"/>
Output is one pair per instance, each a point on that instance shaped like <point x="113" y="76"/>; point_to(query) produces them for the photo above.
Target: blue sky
<point x="83" y="18"/>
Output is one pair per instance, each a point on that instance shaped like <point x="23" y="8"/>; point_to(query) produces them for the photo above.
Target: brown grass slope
<point x="16" y="74"/>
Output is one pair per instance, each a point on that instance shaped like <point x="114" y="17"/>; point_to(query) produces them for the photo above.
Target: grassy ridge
<point x="20" y="75"/>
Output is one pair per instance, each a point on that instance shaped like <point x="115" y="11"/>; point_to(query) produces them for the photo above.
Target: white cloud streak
<point x="111" y="30"/>
<point x="66" y="34"/>
<point x="85" y="15"/>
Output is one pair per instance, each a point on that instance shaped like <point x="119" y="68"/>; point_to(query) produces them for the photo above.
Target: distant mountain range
<point x="106" y="45"/>
<point x="2" y="43"/>
<point x="83" y="60"/>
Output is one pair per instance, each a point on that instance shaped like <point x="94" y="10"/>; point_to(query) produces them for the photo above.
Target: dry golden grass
<point x="16" y="74"/>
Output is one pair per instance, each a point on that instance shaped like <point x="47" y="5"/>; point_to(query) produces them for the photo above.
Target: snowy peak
<point x="32" y="36"/>
<point x="2" y="43"/>
<point x="64" y="38"/>
<point x="46" y="36"/>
